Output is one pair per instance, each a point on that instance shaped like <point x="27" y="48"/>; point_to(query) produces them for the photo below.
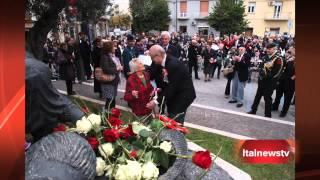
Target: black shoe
<point x="218" y="77"/>
<point x="239" y="105"/>
<point x="232" y="101"/>
<point x="282" y="114"/>
<point x="209" y="79"/>
<point x="268" y="116"/>
<point x="198" y="78"/>
<point x="251" y="112"/>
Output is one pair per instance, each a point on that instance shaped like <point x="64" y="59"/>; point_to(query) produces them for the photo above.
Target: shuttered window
<point x="204" y="8"/>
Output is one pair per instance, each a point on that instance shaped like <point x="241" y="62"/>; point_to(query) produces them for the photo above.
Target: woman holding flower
<point x="138" y="88"/>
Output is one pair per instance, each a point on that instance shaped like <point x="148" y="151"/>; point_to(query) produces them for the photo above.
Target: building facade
<point x="191" y="16"/>
<point x="270" y="17"/>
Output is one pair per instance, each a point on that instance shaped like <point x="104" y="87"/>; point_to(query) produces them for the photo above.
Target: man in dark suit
<point x="169" y="48"/>
<point x="193" y="52"/>
<point x="241" y="68"/>
<point x="179" y="92"/>
<point x="269" y="73"/>
<point x="85" y="54"/>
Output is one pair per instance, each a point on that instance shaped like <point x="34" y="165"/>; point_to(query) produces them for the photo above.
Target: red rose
<point x="111" y="135"/>
<point x="115" y="112"/>
<point x="60" y="127"/>
<point x="134" y="154"/>
<point x="114" y="121"/>
<point x="126" y="132"/>
<point x="184" y="130"/>
<point x="202" y="159"/>
<point x="85" y="110"/>
<point x="93" y="141"/>
<point x="172" y="124"/>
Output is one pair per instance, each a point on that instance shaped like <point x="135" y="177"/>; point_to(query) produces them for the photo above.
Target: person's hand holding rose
<point x="135" y="94"/>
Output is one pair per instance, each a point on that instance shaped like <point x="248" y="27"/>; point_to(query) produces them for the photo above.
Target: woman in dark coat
<point x="65" y="60"/>
<point x="110" y="65"/>
<point x="209" y="56"/>
<point x="96" y="56"/>
<point x="138" y="89"/>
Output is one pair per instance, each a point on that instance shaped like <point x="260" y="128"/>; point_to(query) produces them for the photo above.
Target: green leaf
<point x="144" y="133"/>
<point x="148" y="156"/>
<point x="138" y="144"/>
<point x="156" y="125"/>
<point x="159" y="156"/>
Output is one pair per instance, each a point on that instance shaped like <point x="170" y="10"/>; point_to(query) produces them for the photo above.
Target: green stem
<point x="180" y="156"/>
<point x="125" y="150"/>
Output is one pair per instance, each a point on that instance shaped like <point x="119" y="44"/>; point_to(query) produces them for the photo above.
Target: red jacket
<point x="138" y="105"/>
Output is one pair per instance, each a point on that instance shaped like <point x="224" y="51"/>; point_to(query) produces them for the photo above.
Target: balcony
<point x="201" y="15"/>
<point x="183" y="15"/>
<point x="277" y="17"/>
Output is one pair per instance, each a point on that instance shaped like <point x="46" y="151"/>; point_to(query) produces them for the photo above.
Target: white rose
<point x="166" y="146"/>
<point x="95" y="119"/>
<point x="121" y="173"/>
<point x="109" y="170"/>
<point x="134" y="170"/>
<point x="83" y="125"/>
<point x="106" y="149"/>
<point x="101" y="166"/>
<point x="131" y="171"/>
<point x="150" y="171"/>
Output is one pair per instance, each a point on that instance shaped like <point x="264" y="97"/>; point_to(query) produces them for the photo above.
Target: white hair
<point x="165" y="33"/>
<point x="133" y="65"/>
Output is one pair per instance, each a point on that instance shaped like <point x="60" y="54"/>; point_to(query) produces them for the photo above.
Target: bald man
<point x="179" y="92"/>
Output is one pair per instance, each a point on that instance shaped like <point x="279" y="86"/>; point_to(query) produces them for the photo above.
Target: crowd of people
<point x="167" y="82"/>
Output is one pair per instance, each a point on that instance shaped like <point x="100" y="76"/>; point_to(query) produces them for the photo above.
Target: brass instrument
<point x="269" y="65"/>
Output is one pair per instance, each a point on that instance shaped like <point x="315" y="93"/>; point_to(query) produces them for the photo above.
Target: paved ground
<point x="211" y="109"/>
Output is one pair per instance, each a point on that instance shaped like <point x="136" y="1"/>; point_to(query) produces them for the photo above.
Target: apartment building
<point x="270" y="17"/>
<point x="191" y="16"/>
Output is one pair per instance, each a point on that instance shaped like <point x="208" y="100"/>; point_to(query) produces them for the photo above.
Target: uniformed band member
<point x="286" y="84"/>
<point x="270" y="71"/>
<point x="128" y="54"/>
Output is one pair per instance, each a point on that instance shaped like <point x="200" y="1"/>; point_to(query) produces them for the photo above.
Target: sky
<point x="123" y="5"/>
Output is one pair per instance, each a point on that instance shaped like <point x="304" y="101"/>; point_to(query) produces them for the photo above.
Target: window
<point x="275" y="31"/>
<point x="277" y="9"/>
<point x="203" y="31"/>
<point x="204" y="8"/>
<point x="249" y="31"/>
<point x="183" y="8"/>
<point x="251" y="7"/>
<point x="183" y="29"/>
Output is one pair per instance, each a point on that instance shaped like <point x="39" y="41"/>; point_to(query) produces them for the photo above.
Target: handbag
<point x="226" y="71"/>
<point x="102" y="77"/>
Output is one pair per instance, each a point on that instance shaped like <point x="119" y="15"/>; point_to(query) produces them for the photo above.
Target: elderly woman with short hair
<point x="138" y="89"/>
